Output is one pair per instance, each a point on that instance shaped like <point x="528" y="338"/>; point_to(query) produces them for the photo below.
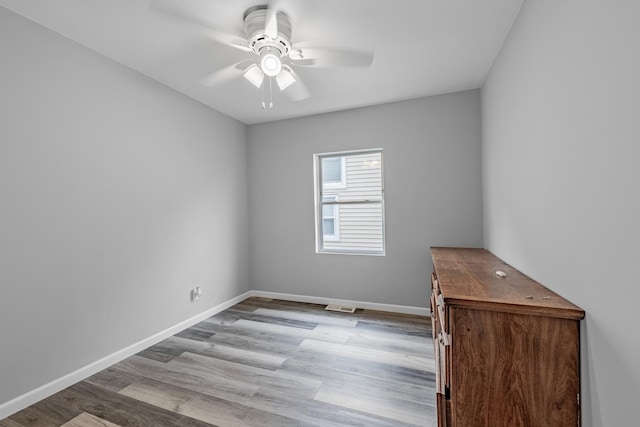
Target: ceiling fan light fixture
<point x="270" y="64"/>
<point x="254" y="75"/>
<point x="285" y="78"/>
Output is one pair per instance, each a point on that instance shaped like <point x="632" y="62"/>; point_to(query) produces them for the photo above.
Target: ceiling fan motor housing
<point x="254" y="27"/>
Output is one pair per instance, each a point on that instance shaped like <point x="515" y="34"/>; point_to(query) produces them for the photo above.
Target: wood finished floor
<point x="262" y="363"/>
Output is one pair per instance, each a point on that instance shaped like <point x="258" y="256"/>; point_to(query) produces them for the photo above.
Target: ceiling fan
<point x="268" y="38"/>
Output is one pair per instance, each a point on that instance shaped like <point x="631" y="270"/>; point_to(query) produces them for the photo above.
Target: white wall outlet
<point x="196" y="293"/>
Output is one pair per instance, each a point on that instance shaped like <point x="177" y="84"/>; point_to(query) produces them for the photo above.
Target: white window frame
<point x="318" y="197"/>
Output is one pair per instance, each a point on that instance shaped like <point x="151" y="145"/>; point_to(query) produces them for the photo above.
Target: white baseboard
<point x="46" y="390"/>
<point x="404" y="309"/>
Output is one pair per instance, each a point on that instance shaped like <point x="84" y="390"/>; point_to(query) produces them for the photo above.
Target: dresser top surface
<point x="467" y="277"/>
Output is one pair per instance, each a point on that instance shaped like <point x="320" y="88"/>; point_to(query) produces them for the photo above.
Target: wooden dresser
<point x="507" y="348"/>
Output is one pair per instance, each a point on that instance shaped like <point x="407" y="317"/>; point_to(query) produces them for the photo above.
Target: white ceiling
<point x="422" y="47"/>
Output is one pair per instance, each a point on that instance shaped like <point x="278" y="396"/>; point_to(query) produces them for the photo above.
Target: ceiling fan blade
<point x="331" y="58"/>
<point x="192" y="17"/>
<point x="226" y="74"/>
<point x="229" y="40"/>
<point x="271" y="23"/>
<point x="296" y="91"/>
<point x="303" y="62"/>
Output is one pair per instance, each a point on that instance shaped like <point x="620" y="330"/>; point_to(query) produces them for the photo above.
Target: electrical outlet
<point x="196" y="293"/>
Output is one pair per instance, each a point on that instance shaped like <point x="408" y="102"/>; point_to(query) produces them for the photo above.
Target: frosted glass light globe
<point x="271" y="65"/>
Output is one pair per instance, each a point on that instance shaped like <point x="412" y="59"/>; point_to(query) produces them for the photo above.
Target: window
<point x="330" y="222"/>
<point x="333" y="175"/>
<point x="349" y="202"/>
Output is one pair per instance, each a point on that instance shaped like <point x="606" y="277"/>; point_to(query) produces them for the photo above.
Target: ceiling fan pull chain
<point x="264" y="90"/>
<point x="270" y="93"/>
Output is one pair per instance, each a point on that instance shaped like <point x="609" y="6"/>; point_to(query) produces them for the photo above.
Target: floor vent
<point x="339" y="308"/>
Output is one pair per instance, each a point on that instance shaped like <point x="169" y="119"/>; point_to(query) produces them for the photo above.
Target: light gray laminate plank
<point x="263" y="342"/>
<point x="384" y="371"/>
<point x="204" y="326"/>
<point x="190" y="377"/>
<point x="112" y="379"/>
<point x="195" y="364"/>
<point x="283" y="320"/>
<point x="395" y="343"/>
<point x="325" y="335"/>
<point x="417" y="330"/>
<point x="344" y="320"/>
<point x="195" y="334"/>
<point x="224" y="318"/>
<point x="383" y="407"/>
<point x="88" y="420"/>
<point x="374" y="386"/>
<point x="355" y="333"/>
<point x="158" y="353"/>
<point x="262" y="330"/>
<point x="245" y="357"/>
<point x="379" y="339"/>
<point x="311" y="358"/>
<point x="406" y="395"/>
<point x="315" y="412"/>
<point x="172" y="347"/>
<point x="380" y="356"/>
<point x="235" y="354"/>
<point x="230" y="315"/>
<point x="203" y="407"/>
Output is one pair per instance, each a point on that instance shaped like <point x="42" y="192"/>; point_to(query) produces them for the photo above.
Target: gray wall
<point x="561" y="146"/>
<point x="117" y="197"/>
<point x="432" y="194"/>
